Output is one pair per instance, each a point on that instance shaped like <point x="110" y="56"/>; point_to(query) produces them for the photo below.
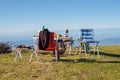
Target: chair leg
<point x="31" y="56"/>
<point x="20" y="55"/>
<point x="70" y="49"/>
<point x="32" y="53"/>
<point x="78" y="50"/>
<point x="85" y="50"/>
<point x="17" y="53"/>
<point x="98" y="51"/>
<point x="16" y="57"/>
<point x="38" y="57"/>
<point x="94" y="48"/>
<point x="56" y="55"/>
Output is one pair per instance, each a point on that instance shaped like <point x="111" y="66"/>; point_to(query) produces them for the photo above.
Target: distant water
<point x="110" y="36"/>
<point x="105" y="36"/>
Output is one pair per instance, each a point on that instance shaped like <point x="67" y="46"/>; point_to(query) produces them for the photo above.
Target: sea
<point x="107" y="36"/>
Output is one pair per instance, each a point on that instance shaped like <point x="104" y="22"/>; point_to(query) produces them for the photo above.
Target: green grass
<point x="70" y="67"/>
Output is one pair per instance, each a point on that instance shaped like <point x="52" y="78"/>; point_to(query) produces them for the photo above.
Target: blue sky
<point x="21" y="18"/>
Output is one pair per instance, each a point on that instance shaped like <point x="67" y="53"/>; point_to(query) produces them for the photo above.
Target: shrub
<point x="4" y="47"/>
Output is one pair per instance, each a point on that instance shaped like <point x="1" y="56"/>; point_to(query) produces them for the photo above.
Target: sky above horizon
<point x="21" y="18"/>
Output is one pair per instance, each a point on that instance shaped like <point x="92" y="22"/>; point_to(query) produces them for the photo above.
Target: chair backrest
<point x="87" y="34"/>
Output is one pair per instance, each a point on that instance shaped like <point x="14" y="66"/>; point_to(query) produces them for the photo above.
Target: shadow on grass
<point x="78" y="60"/>
<point x="108" y="61"/>
<point x="87" y="60"/>
<point x="66" y="60"/>
<point x="110" y="55"/>
<point x="105" y="54"/>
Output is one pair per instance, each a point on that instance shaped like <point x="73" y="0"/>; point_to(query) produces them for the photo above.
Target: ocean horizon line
<point x="110" y="41"/>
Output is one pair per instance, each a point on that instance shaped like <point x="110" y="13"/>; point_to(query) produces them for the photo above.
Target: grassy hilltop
<point x="70" y="67"/>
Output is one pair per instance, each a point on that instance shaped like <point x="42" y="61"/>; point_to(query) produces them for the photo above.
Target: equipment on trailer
<point x="49" y="41"/>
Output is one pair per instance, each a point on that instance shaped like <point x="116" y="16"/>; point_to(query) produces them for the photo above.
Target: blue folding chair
<point x="87" y="37"/>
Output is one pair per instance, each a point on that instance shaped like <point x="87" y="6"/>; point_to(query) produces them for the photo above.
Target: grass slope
<point x="70" y="67"/>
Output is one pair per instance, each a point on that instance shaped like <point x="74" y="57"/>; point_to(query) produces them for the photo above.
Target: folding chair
<point x="17" y="50"/>
<point x="87" y="37"/>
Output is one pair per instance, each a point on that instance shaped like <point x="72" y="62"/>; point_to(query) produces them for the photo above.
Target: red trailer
<point x="48" y="41"/>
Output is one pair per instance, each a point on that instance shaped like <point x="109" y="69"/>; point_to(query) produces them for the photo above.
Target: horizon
<point x="100" y="34"/>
